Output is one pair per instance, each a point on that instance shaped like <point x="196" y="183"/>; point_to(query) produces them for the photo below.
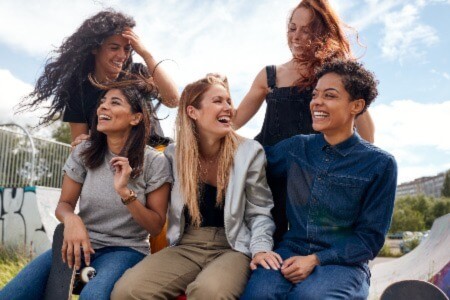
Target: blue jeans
<point x="110" y="263"/>
<point x="325" y="282"/>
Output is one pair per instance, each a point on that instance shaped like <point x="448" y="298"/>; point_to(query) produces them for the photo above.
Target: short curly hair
<point x="359" y="82"/>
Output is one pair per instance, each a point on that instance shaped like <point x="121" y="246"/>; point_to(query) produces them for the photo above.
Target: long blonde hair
<point x="187" y="149"/>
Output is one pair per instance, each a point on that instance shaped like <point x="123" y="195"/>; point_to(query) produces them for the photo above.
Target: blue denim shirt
<point x="339" y="198"/>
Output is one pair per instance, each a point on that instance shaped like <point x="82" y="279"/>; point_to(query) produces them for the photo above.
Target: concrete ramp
<point x="430" y="261"/>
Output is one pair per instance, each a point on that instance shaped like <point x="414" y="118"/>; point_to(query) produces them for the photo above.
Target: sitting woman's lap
<point x="114" y="261"/>
<point x="110" y="263"/>
<point x="199" y="266"/>
<point x="325" y="282"/>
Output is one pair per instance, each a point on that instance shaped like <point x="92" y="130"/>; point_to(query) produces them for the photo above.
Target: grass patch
<point x="12" y="260"/>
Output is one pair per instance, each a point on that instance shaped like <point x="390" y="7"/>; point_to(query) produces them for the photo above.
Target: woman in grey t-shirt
<point x="123" y="186"/>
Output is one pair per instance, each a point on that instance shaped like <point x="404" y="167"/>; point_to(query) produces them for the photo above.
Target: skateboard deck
<point x="63" y="281"/>
<point x="61" y="278"/>
<point x="413" y="290"/>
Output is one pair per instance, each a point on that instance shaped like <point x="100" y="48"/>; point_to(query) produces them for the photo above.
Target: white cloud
<point x="405" y="35"/>
<point x="410" y="131"/>
<point x="13" y="90"/>
<point x="443" y="74"/>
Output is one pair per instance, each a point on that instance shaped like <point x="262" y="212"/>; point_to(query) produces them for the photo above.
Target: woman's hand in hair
<point x="122" y="175"/>
<point x="267" y="260"/>
<point x="135" y="42"/>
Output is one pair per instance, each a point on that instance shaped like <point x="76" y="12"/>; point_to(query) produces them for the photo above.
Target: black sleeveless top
<point x="212" y="215"/>
<point x="287" y="112"/>
<point x="81" y="107"/>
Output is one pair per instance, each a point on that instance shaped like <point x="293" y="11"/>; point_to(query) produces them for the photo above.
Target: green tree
<point x="446" y="188"/>
<point x="440" y="208"/>
<point x="407" y="219"/>
<point x="62" y="133"/>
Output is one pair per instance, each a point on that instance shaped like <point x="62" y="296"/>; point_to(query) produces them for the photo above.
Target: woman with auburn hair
<point x="102" y="48"/>
<point x="123" y="186"/>
<point x="315" y="35"/>
<point x="219" y="213"/>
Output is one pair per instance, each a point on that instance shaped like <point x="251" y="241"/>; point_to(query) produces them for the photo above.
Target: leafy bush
<point x="417" y="213"/>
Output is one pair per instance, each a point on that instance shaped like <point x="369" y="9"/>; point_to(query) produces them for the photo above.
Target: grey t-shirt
<point x="107" y="220"/>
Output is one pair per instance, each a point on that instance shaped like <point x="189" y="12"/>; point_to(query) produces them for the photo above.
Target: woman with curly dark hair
<point x="315" y="35"/>
<point x="102" y="48"/>
<point x="122" y="187"/>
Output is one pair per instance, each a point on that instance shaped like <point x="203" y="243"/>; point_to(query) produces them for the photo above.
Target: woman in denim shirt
<point x="315" y="35"/>
<point x="340" y="196"/>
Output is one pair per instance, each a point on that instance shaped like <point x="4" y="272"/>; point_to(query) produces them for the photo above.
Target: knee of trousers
<point x="209" y="289"/>
<point x="128" y="289"/>
<point x="124" y="290"/>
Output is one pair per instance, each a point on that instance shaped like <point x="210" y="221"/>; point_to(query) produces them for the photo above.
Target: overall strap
<point x="271" y="76"/>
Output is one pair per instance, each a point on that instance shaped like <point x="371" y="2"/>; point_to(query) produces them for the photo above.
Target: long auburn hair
<point x="69" y="65"/>
<point x="135" y="89"/>
<point x="327" y="40"/>
<point x="187" y="149"/>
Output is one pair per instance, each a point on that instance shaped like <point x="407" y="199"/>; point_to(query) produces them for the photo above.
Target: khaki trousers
<point x="203" y="266"/>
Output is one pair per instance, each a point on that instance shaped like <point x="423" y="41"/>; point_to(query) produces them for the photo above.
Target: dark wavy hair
<point x="357" y="80"/>
<point x="136" y="90"/>
<point x="327" y="40"/>
<point x="70" y="64"/>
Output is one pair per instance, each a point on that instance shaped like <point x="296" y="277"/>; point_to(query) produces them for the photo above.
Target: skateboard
<point x="413" y="290"/>
<point x="64" y="281"/>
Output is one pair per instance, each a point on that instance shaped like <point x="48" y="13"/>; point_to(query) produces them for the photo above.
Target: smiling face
<point x="213" y="116"/>
<point x="332" y="109"/>
<point x="110" y="57"/>
<point x="114" y="114"/>
<point x="298" y="30"/>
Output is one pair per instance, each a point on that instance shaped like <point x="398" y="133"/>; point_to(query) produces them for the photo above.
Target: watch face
<point x="130" y="198"/>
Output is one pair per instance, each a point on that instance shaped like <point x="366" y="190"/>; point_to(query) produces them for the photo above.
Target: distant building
<point x="428" y="186"/>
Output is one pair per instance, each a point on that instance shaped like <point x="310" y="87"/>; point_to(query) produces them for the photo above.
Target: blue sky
<point x="406" y="45"/>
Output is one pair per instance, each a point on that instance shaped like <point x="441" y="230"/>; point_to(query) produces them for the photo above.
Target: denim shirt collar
<point x="344" y="148"/>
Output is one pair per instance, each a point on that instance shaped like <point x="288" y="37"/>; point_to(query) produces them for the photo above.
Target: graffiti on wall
<point x="20" y="220"/>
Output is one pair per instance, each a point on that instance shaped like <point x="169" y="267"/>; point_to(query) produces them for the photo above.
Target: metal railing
<point x="26" y="160"/>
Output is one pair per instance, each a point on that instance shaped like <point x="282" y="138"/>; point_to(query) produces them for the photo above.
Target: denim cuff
<point x="327" y="257"/>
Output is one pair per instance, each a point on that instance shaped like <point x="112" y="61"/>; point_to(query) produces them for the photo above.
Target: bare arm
<point x="366" y="127"/>
<point x="77" y="129"/>
<point x="252" y="101"/>
<point x="166" y="86"/>
<point x="152" y="216"/>
<point x="76" y="237"/>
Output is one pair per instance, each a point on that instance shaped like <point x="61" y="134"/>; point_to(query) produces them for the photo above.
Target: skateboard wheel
<point x="87" y="274"/>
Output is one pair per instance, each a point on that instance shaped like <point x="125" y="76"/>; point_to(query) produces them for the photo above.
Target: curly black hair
<point x="357" y="80"/>
<point x="70" y="64"/>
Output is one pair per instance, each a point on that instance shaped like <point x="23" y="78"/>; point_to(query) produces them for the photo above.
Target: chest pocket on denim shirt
<point x="347" y="192"/>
